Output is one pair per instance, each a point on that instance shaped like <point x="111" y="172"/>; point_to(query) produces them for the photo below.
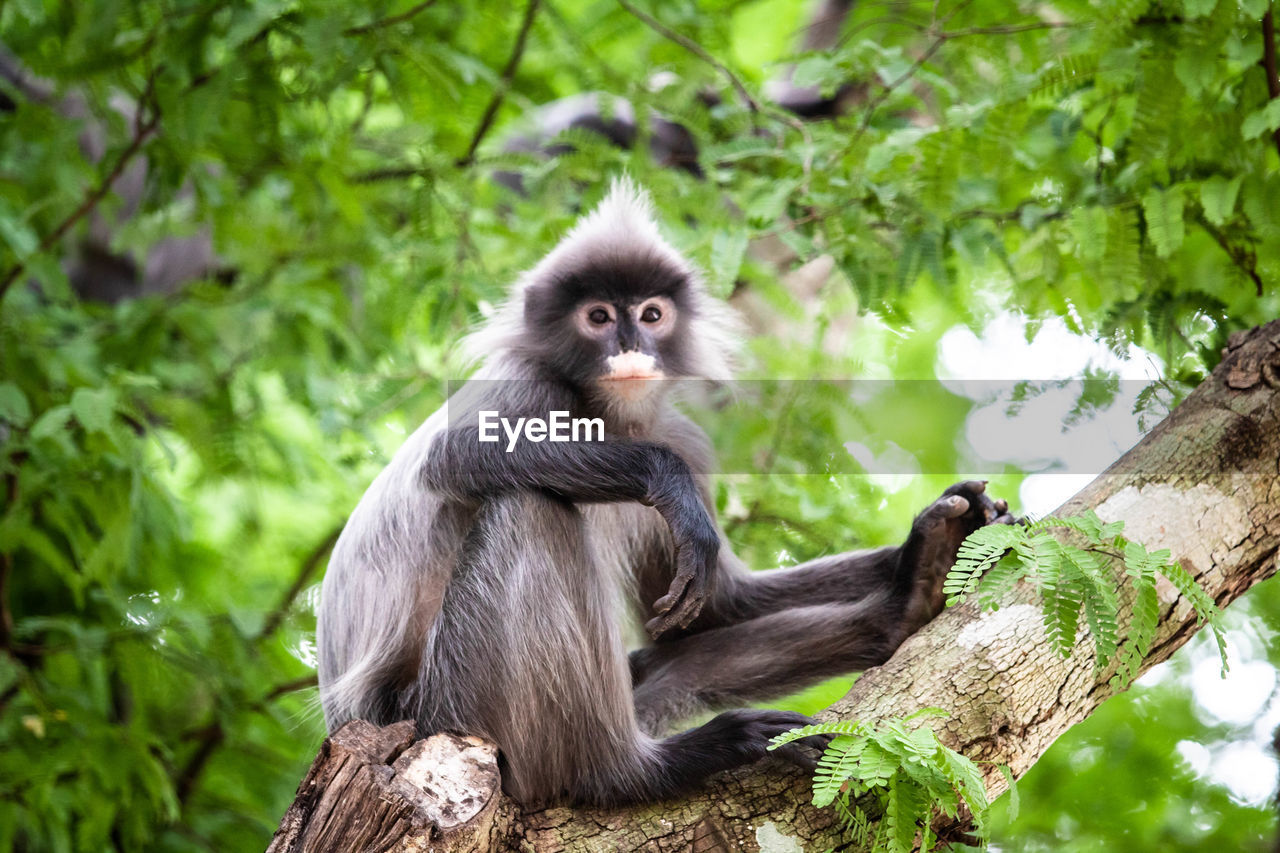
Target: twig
<point x="305" y="573"/>
<point x="886" y="20"/>
<point x="210" y="738"/>
<point x="940" y="37"/>
<point x="696" y="49"/>
<point x="1003" y="217"/>
<point x="1269" y="64"/>
<point x="504" y="84"/>
<point x="879" y="99"/>
<point x="1007" y="30"/>
<point x="6" y="559"/>
<point x="364" y="29"/>
<point x="290" y="686"/>
<point x="1245" y="260"/>
<point x="390" y="173"/>
<point x="142" y="132"/>
<point x="753" y="105"/>
<point x="8" y="694"/>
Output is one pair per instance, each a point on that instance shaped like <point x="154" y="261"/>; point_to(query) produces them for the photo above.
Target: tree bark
<point x="1205" y="483"/>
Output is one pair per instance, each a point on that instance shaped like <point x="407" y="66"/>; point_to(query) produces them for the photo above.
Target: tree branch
<point x="208" y="740"/>
<point x="307" y="570"/>
<point x="1007" y="30"/>
<point x="290" y="687"/>
<point x="142" y="131"/>
<point x="753" y="105"/>
<point x="504" y="84"/>
<point x="940" y="37"/>
<point x="696" y="49"/>
<point x="1203" y="484"/>
<point x="1244" y="259"/>
<point x="1269" y="64"/>
<point x="391" y="21"/>
<point x="146" y="122"/>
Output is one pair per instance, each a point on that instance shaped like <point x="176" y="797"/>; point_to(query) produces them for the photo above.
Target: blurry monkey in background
<point x="481" y="590"/>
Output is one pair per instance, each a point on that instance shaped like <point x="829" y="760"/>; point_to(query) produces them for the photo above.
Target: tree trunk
<point x="1205" y="484"/>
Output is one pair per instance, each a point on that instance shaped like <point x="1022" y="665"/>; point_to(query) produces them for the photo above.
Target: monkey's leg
<point x="762" y="658"/>
<point x="527" y="651"/>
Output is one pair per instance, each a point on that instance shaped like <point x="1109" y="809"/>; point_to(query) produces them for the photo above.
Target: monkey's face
<point x="629" y="336"/>
<point x="616" y="326"/>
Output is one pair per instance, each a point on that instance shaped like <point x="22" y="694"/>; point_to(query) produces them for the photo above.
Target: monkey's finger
<point x="659" y="625"/>
<point x="681" y="613"/>
<point x="679" y="616"/>
<point x="678" y="585"/>
<point x="950" y="506"/>
<point x="665" y="621"/>
<point x="793" y="755"/>
<point x="976" y="487"/>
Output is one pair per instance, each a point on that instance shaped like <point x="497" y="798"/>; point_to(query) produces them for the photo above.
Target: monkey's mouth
<point x="633" y="375"/>
<point x="632" y="385"/>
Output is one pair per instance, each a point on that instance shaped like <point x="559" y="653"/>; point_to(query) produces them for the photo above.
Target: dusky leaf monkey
<point x="480" y="587"/>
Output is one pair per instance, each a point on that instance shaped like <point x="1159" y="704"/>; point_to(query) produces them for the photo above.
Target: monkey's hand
<point x="930" y="549"/>
<point x="697" y="548"/>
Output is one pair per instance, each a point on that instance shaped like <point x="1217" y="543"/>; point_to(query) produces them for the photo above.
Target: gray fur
<point x="482" y="592"/>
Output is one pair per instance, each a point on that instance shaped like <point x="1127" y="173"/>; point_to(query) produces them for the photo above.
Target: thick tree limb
<point x="1205" y="484"/>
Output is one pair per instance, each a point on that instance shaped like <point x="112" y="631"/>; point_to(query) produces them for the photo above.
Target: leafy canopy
<point x="175" y="463"/>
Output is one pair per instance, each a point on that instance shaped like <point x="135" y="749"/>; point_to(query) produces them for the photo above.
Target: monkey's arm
<point x="765" y="634"/>
<point x="908" y="577"/>
<point x="459" y="465"/>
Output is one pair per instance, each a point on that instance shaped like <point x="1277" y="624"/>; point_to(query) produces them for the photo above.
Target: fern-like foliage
<point x="910" y="774"/>
<point x="1075" y="581"/>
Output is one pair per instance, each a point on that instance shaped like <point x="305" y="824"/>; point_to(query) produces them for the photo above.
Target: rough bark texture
<point x="1205" y="484"/>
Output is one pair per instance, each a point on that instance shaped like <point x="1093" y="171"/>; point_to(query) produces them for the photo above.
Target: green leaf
<point x="901" y="809"/>
<point x="1197" y="9"/>
<point x="1101" y="604"/>
<point x="16" y="232"/>
<point x="727" y="251"/>
<point x="1218" y="197"/>
<point x="1089" y="227"/>
<point x="94" y="408"/>
<point x="979" y="552"/>
<point x="1014" y="802"/>
<point x="1163" y="210"/>
<point x="1265" y="120"/>
<point x="14" y="407"/>
<point x="1197" y="70"/>
<point x="52" y="423"/>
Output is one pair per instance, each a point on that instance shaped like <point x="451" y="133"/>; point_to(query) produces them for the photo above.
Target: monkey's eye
<point x="652" y="314"/>
<point x="598" y="316"/>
